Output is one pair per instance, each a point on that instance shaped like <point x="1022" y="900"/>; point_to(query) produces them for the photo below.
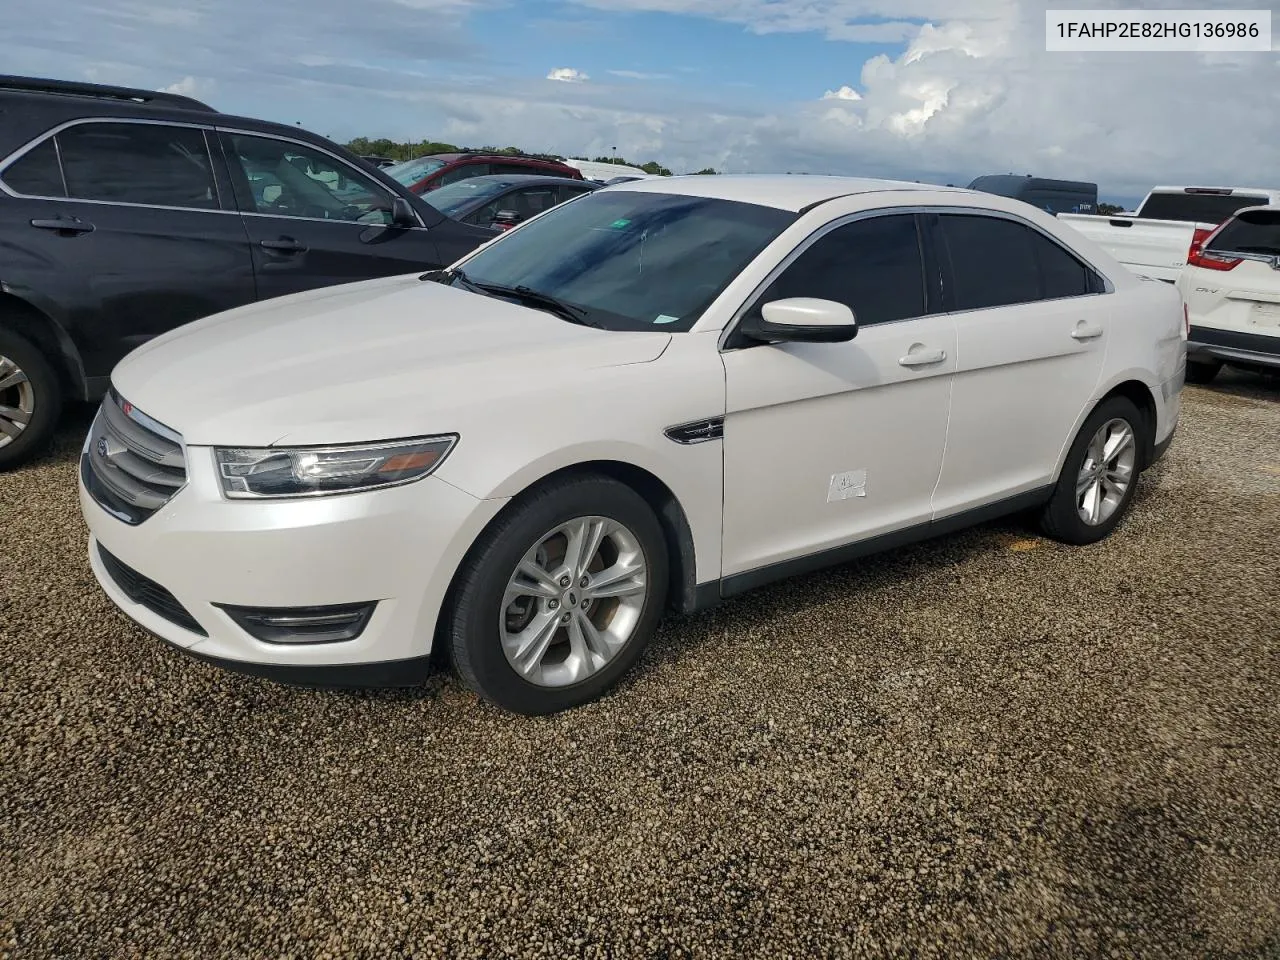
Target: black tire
<point x="1202" y="371"/>
<point x="1060" y="519"/>
<point x="46" y="400"/>
<point x="471" y="619"/>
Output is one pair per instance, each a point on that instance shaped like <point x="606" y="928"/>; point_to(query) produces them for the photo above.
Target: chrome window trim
<point x="16" y="155"/>
<point x="237" y="131"/>
<point x="912" y="210"/>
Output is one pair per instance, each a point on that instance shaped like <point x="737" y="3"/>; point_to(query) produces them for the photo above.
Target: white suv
<point x="1231" y="285"/>
<point x="650" y="398"/>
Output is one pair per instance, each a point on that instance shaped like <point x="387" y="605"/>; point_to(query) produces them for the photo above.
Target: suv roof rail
<point x="103" y="91"/>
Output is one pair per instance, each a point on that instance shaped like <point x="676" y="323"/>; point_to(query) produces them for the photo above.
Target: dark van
<point x="1053" y="196"/>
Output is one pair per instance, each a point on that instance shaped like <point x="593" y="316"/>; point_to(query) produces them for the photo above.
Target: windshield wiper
<point x="544" y="301"/>
<point x="448" y="276"/>
<point x="536" y="298"/>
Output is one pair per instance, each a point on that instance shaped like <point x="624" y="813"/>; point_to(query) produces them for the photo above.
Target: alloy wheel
<point x="574" y="601"/>
<point x="17" y="401"/>
<point x="1107" y="472"/>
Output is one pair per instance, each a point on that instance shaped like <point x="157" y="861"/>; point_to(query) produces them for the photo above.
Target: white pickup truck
<point x="1155" y="240"/>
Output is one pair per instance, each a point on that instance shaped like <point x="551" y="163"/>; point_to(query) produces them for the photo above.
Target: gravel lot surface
<point x="986" y="745"/>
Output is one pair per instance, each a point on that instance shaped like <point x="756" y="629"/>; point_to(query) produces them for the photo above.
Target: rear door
<point x="314" y="220"/>
<point x="136" y="234"/>
<point x="1031" y="329"/>
<point x="1234" y="292"/>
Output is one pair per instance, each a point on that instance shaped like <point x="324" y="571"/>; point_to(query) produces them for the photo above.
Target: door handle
<point x="283" y="245"/>
<point x="1086" y="331"/>
<point x="64" y="225"/>
<point x="923" y="359"/>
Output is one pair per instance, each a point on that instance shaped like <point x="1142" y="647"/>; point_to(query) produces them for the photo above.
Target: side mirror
<point x="506" y="218"/>
<point x="402" y="213"/>
<point x="802" y="319"/>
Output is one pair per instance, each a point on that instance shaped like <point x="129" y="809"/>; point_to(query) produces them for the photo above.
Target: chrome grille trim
<point x="132" y="465"/>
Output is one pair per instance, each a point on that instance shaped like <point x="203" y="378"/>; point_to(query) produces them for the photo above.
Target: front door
<point x="131" y="239"/>
<point x="829" y="444"/>
<point x="313" y="220"/>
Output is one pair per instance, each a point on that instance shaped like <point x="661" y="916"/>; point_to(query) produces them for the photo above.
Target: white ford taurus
<point x="648" y="399"/>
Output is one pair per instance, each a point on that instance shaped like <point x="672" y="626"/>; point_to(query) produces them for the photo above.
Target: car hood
<point x="376" y="360"/>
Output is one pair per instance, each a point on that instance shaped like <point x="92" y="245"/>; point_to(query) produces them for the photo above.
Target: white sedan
<point x="647" y="399"/>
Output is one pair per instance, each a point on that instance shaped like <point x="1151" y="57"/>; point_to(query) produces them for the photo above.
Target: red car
<point x="423" y="174"/>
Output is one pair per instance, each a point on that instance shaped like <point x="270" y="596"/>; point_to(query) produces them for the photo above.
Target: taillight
<point x="1197" y="256"/>
<point x="1211" y="261"/>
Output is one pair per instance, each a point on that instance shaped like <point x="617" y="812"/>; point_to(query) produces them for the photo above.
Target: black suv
<point x="125" y="213"/>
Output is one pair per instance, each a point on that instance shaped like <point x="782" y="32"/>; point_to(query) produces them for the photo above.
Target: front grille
<point x="147" y="593"/>
<point x="132" y="466"/>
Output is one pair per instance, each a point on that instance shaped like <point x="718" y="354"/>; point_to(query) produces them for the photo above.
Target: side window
<point x="464" y="171"/>
<point x="286" y="179"/>
<point x="873" y="266"/>
<point x="36" y="173"/>
<point x="993" y="261"/>
<point x="147" y="163"/>
<point x="1061" y="274"/>
<point x="568" y="192"/>
<point x="997" y="262"/>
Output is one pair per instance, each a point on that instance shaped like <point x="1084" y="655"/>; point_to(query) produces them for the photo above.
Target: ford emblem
<point x="102" y="446"/>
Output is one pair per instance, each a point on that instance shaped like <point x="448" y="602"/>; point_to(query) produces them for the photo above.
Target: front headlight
<point x="251" y="473"/>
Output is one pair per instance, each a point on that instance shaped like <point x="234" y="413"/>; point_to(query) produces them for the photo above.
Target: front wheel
<point x="30" y="400"/>
<point x="558" y="599"/>
<point x="1099" y="476"/>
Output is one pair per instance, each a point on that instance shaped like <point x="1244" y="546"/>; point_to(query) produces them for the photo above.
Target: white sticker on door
<point x="852" y="483"/>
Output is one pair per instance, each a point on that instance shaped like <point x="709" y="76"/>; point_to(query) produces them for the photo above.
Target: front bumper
<point x="399" y="547"/>
<point x="1233" y="346"/>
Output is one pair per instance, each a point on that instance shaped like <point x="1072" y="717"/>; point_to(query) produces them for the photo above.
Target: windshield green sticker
<point x="619" y="224"/>
<point x="663" y="318"/>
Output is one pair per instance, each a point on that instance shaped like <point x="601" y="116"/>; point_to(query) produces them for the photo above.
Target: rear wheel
<point x="30" y="400"/>
<point x="1202" y="371"/>
<point x="560" y="596"/>
<point x="1099" y="476"/>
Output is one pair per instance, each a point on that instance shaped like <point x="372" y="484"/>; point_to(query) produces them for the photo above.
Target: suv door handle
<point x="1086" y="331"/>
<point x="923" y="359"/>
<point x="66" y="225"/>
<point x="284" y="245"/>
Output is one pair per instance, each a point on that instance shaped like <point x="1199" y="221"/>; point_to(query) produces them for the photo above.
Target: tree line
<point x="396" y="150"/>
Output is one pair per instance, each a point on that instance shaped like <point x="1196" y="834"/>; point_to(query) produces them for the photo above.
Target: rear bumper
<point x="1233" y="346"/>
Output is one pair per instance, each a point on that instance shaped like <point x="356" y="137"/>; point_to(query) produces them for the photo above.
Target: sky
<point x="935" y="90"/>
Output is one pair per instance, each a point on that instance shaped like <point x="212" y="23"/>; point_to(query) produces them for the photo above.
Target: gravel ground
<point x="988" y="745"/>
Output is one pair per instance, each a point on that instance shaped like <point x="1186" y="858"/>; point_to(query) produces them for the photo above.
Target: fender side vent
<point x="699" y="431"/>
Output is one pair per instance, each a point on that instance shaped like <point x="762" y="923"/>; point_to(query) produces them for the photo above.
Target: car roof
<point x="783" y="191"/>
<point x="527" y="180"/>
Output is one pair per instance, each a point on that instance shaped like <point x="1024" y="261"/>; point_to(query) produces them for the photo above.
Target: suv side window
<point x="873" y="266"/>
<point x="285" y="179"/>
<point x="996" y="263"/>
<point x="36" y="173"/>
<point x="465" y="171"/>
<point x="145" y="163"/>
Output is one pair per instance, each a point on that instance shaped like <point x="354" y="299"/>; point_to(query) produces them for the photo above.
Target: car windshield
<point x="631" y="260"/>
<point x="409" y="172"/>
<point x="453" y="198"/>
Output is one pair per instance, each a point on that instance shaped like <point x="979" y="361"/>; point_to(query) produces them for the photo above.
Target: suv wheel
<point x="558" y="599"/>
<point x="30" y="400"/>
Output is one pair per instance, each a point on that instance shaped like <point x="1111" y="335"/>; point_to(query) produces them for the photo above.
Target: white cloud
<point x="189" y="87"/>
<point x="970" y="89"/>
<point x="843" y="93"/>
<point x="567" y="75"/>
